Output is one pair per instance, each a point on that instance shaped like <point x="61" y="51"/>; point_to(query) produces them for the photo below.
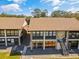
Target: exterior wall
<point x="73" y="39"/>
<point x="10" y="39"/>
<point x="59" y="35"/>
<point x="44" y="40"/>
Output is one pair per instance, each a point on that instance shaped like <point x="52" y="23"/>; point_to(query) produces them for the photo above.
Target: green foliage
<point x="44" y="13"/>
<point x="36" y="13"/>
<point x="39" y="13"/>
<point x="65" y="14"/>
<point x="9" y="15"/>
<point x="60" y="13"/>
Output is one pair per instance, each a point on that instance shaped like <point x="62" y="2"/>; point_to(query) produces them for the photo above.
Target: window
<point x="12" y="32"/>
<point x="8" y="40"/>
<point x="33" y="33"/>
<point x="74" y="35"/>
<point x="41" y="34"/>
<point x="54" y="33"/>
<point x="50" y="35"/>
<point x="2" y="40"/>
<point x="2" y="33"/>
<point x="46" y="33"/>
<point x="37" y="35"/>
<point x="12" y="40"/>
<point x="16" y="32"/>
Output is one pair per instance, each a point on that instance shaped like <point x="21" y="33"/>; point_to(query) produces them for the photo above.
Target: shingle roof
<point x="53" y="24"/>
<point x="11" y="23"/>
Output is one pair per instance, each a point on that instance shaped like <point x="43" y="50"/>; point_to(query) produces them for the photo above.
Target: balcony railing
<point x="2" y="35"/>
<point x="42" y="37"/>
<point x="37" y="37"/>
<point x="50" y="37"/>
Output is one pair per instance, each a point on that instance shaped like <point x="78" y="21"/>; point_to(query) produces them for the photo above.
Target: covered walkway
<point x="40" y="51"/>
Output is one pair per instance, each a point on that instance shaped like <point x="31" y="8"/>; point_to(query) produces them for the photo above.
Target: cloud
<point x="56" y="8"/>
<point x="18" y="1"/>
<point x="56" y="4"/>
<point x="76" y="2"/>
<point x="73" y="9"/>
<point x="30" y="9"/>
<point x="10" y="8"/>
<point x="53" y="2"/>
<point x="72" y="0"/>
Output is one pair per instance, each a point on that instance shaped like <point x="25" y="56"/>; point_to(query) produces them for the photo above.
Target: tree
<point x="60" y="13"/>
<point x="36" y="13"/>
<point x="56" y="13"/>
<point x="39" y="13"/>
<point x="77" y="15"/>
<point x="44" y="13"/>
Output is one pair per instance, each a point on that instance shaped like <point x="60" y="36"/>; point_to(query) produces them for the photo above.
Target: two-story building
<point x="43" y="32"/>
<point x="10" y="31"/>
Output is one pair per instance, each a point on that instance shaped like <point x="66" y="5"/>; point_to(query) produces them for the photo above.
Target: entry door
<point x="73" y="44"/>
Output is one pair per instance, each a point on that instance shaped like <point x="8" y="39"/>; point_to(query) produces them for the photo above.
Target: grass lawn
<point x="4" y="55"/>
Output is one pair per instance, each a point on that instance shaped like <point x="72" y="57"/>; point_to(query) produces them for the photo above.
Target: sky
<point x="25" y="7"/>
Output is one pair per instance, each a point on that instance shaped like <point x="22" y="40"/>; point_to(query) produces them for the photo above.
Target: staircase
<point x="64" y="48"/>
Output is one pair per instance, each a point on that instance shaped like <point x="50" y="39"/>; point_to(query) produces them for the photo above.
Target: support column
<point x="19" y="37"/>
<point x="44" y="42"/>
<point x="78" y="45"/>
<point x="5" y="37"/>
<point x="58" y="47"/>
<point x="31" y="42"/>
<point x="36" y="44"/>
<point x="67" y="35"/>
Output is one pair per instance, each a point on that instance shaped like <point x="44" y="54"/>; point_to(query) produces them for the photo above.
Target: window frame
<point x="37" y="34"/>
<point x="50" y="35"/>
<point x="12" y="32"/>
<point x="2" y="32"/>
<point x="73" y="35"/>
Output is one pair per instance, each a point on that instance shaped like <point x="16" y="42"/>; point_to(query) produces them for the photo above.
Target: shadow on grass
<point x="15" y="53"/>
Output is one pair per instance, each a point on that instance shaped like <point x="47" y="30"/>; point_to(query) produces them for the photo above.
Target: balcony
<point x="2" y="35"/>
<point x="50" y="37"/>
<point x="73" y="35"/>
<point x="37" y="37"/>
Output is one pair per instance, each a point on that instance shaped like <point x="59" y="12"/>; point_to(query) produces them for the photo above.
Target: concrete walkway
<point x="57" y="56"/>
<point x="49" y="53"/>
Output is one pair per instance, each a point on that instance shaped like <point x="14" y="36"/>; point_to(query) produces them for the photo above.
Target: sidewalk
<point x="57" y="56"/>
